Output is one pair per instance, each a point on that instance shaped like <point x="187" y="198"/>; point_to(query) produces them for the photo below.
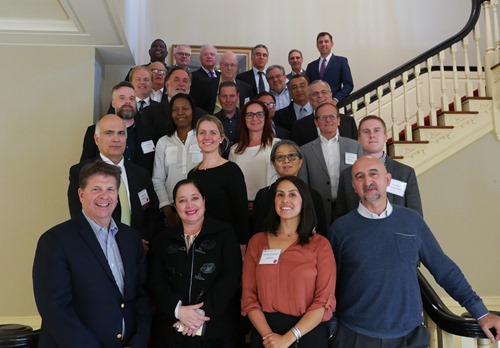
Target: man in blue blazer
<point x="331" y="68"/>
<point x="89" y="273"/>
<point x="403" y="189"/>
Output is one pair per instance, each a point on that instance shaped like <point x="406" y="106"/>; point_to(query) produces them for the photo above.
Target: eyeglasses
<point x="270" y="105"/>
<point x="327" y="117"/>
<point x="322" y="93"/>
<point x="251" y="115"/>
<point x="291" y="157"/>
<point x="158" y="71"/>
<point x="183" y="54"/>
<point x="229" y="65"/>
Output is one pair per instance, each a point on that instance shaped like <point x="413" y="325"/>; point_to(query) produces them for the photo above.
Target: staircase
<point x="443" y="100"/>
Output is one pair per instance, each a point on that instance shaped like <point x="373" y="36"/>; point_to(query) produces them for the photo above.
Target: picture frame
<point x="243" y="55"/>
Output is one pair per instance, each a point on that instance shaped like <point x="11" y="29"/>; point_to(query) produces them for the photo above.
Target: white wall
<point x="47" y="103"/>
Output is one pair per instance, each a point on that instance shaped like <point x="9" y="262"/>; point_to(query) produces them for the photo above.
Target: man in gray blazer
<point x="327" y="156"/>
<point x="403" y="189"/>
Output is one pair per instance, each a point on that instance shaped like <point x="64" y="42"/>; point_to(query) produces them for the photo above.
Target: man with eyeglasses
<point x="276" y="78"/>
<point x="326" y="156"/>
<point x="270" y="102"/>
<point x="205" y="94"/>
<point x="182" y="56"/>
<point x="256" y="77"/>
<point x="159" y="72"/>
<point x="305" y="129"/>
<point x="299" y="107"/>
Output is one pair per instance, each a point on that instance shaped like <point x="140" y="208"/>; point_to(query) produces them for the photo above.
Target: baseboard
<point x="33" y="321"/>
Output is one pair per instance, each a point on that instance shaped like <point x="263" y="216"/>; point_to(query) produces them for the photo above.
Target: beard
<point x="125" y="113"/>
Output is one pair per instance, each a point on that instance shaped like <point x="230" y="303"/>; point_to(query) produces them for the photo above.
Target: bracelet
<point x="296" y="333"/>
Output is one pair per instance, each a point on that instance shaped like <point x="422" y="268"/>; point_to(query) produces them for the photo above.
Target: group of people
<point x="202" y="208"/>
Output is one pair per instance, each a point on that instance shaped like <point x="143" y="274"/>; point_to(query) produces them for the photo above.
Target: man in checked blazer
<point x="327" y="156"/>
<point x="336" y="69"/>
<point x="403" y="189"/>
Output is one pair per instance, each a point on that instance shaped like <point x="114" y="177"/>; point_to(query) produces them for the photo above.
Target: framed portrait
<point x="242" y="53"/>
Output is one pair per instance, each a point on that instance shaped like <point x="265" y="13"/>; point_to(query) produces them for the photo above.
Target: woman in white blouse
<point x="176" y="153"/>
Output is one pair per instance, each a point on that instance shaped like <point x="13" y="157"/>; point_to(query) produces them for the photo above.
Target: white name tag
<point x="147" y="146"/>
<point x="270" y="256"/>
<point x="397" y="187"/>
<point x="350" y="158"/>
<point x="143" y="197"/>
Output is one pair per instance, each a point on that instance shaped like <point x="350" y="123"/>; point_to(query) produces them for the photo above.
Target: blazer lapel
<point x="318" y="152"/>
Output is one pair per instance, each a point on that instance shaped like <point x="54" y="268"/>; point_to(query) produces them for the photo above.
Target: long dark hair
<point x="308" y="220"/>
<point x="244" y="134"/>
<point x="171" y="127"/>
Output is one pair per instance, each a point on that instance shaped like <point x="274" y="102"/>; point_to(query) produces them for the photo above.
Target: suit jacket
<point x="201" y="74"/>
<point x="147" y="219"/>
<point x="337" y="74"/>
<point x="142" y="134"/>
<point x="348" y="200"/>
<point x="281" y="133"/>
<point x="286" y="117"/>
<point x="249" y="78"/>
<point x="304" y="130"/>
<point x="76" y="294"/>
<point x="158" y="118"/>
<point x="314" y="171"/>
<point x="206" y="95"/>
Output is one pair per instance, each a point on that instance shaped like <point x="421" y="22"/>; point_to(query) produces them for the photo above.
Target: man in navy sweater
<point x="377" y="249"/>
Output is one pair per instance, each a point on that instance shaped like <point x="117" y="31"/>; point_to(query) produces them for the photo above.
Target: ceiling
<point x="65" y="22"/>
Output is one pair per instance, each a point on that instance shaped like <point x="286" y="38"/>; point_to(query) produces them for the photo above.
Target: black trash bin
<point x="18" y="336"/>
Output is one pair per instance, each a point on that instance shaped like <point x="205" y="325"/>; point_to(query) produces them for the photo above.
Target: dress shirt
<point x="331" y="154"/>
<point x="230" y="127"/>
<point x="156" y="95"/>
<point x="146" y="102"/>
<point x="364" y="212"/>
<point x="302" y="111"/>
<point x="256" y="76"/>
<point x="173" y="161"/>
<point x="282" y="99"/>
<point x="123" y="173"/>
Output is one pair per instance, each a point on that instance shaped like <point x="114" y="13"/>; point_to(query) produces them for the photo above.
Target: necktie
<point x="125" y="207"/>
<point x="212" y="74"/>
<point x="141" y="106"/>
<point x="262" y="87"/>
<point x="322" y="69"/>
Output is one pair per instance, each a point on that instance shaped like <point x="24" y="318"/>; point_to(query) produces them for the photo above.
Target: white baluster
<point x="468" y="84"/>
<point x="367" y="103"/>
<point x="380" y="92"/>
<point x="394" y="117"/>
<point x="444" y="97"/>
<point x="456" y="95"/>
<point x="404" y="79"/>
<point x="433" y="117"/>
<point x="479" y="59"/>
<point x="418" y="89"/>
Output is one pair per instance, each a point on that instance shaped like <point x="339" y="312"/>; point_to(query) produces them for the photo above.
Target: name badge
<point x="194" y="148"/>
<point x="397" y="187"/>
<point x="144" y="198"/>
<point x="350" y="158"/>
<point x="270" y="256"/>
<point x="147" y="146"/>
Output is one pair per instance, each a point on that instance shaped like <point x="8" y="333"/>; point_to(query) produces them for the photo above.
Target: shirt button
<point x="119" y="336"/>
<point x="122" y="305"/>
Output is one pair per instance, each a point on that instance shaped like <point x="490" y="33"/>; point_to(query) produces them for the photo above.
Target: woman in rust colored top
<point x="289" y="274"/>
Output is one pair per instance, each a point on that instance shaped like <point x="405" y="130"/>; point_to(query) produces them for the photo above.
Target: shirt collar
<point x="364" y="212"/>
<point x="113" y="229"/>
<point x="108" y="161"/>
<point x="333" y="140"/>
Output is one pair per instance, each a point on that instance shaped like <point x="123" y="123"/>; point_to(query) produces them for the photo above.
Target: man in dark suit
<point x="229" y="115"/>
<point x="295" y="60"/>
<point x="299" y="106"/>
<point x="206" y="94"/>
<point x="305" y="130"/>
<point x="326" y="156"/>
<point x="157" y="53"/>
<point x="89" y="273"/>
<point x="208" y="60"/>
<point x="141" y="210"/>
<point x="403" y="189"/>
<point x="256" y="77"/>
<point x="270" y="102"/>
<point x="159" y="74"/>
<point x="331" y="68"/>
<point x="140" y="138"/>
